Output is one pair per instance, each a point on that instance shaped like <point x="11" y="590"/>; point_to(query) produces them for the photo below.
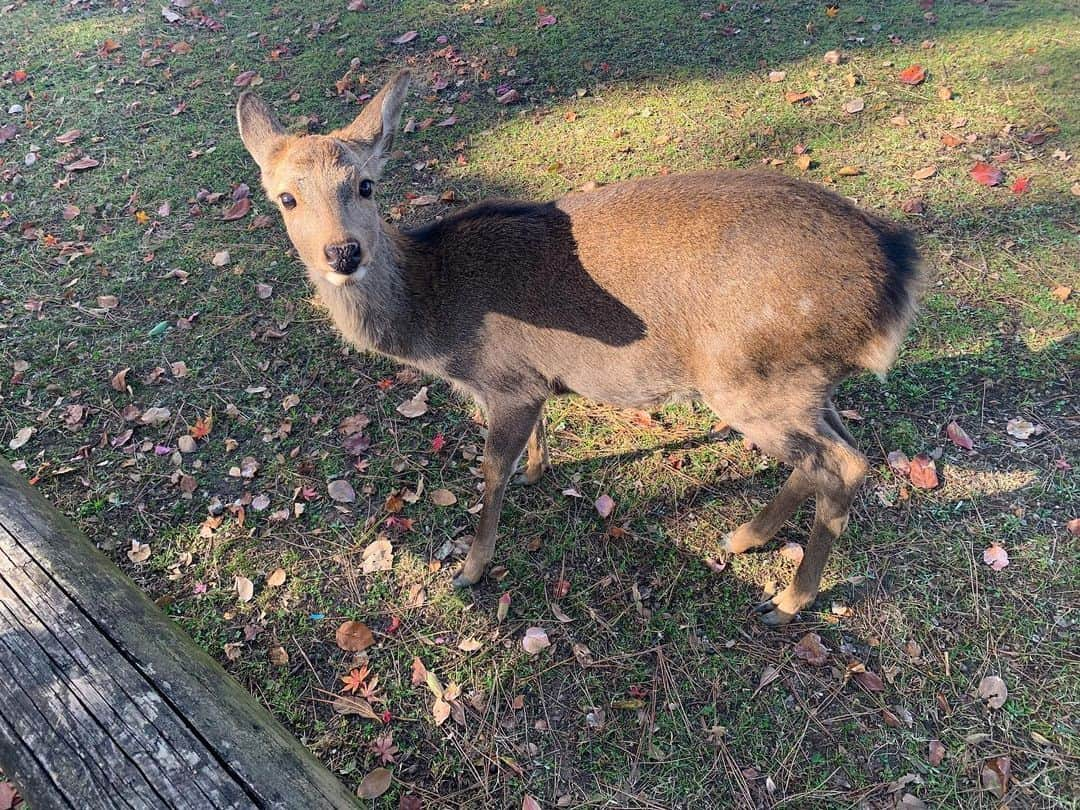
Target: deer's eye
<point x="288" y="201"/>
<point x="366" y="187"/>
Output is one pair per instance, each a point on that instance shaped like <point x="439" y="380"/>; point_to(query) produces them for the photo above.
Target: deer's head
<point x="325" y="185"/>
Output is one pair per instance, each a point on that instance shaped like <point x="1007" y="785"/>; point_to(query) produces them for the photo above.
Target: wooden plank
<point x="106" y="703"/>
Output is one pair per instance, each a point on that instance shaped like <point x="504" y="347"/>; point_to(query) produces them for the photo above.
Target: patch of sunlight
<point x="682" y="124"/>
<point x="87" y="34"/>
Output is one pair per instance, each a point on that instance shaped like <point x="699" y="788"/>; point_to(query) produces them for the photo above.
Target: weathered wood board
<point x="106" y="703"/>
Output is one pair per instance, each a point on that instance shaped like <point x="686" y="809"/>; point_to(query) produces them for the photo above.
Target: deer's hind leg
<point x="835" y="469"/>
<point x="536" y="459"/>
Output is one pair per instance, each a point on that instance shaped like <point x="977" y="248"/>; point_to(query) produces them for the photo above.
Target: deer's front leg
<point x="509" y="427"/>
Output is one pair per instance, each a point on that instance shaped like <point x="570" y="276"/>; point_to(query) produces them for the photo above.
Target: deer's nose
<point x="343" y="257"/>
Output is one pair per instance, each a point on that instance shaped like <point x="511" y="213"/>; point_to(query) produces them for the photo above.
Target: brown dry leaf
<point x="535" y="640"/>
<point x="245" y="588"/>
<point x="994" y="776"/>
<point x="353" y="636"/>
<point x="419" y="672"/>
<point x="993" y="690"/>
<point x="923" y="472"/>
<point x="407" y="37"/>
<point x="139" y="552"/>
<point x="375" y="784"/>
<point x="341" y="491"/>
<point x="155" y="416"/>
<point x="925" y="173"/>
<point x="417" y="406"/>
<point x="1020" y="428"/>
<point x="443" y="497"/>
<point x="833" y="57"/>
<point x="936" y="753"/>
<point x="849" y="171"/>
<point x="996" y="557"/>
<point x="440" y="710"/>
<point x="378" y="556"/>
<point x="777" y="76"/>
<point x="221" y="258"/>
<point x="70" y="136"/>
<point x="605" y="505"/>
<point x="803" y="162"/>
<point x="81" y="165"/>
<point x="351" y="704"/>
<point x="855" y="105"/>
<point x="867" y="679"/>
<point x="529" y="803"/>
<point x="795" y="97"/>
<point x="238" y="210"/>
<point x="276" y="578"/>
<point x="119" y="380"/>
<point x="1061" y="292"/>
<point x="469" y="645"/>
<point x="278" y="656"/>
<point x="811" y="650"/>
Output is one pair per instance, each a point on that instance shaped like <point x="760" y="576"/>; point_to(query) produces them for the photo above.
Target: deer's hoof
<point x="780" y="609"/>
<point x="464" y="580"/>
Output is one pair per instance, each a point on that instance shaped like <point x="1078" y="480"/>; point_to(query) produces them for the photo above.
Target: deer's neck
<point x="379" y="312"/>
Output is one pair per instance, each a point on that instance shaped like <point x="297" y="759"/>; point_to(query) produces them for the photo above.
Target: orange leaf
<point x="914" y="74"/>
<point x="353" y="681"/>
<point x="201" y="428"/>
<point x="1021" y="185"/>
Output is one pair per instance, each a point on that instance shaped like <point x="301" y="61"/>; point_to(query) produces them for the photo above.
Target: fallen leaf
<point x="417" y="406"/>
<point x="833" y="57"/>
<point x="353" y="636"/>
<point x="407" y="37"/>
<point x="238" y="210"/>
<point x="139" y="552"/>
<point x="529" y="803"/>
<point x="996" y="557"/>
<point x="810" y="649"/>
<point x="155" y="416"/>
<point x="912" y="75"/>
<point x="1020" y="185"/>
<point x="1019" y="428"/>
<point x="351" y="704"/>
<point x="795" y="97"/>
<point x="1074" y="527"/>
<point x="993" y="690"/>
<point x="419" y="672"/>
<point x="375" y="784"/>
<point x="378" y="556"/>
<point x="867" y="679"/>
<point x="443" y="497"/>
<point x="855" y="105"/>
<point x="994" y="776"/>
<point x="221" y="258"/>
<point x="936" y="753"/>
<point x="22" y="436"/>
<point x="276" y="578"/>
<point x="244" y="79"/>
<point x="245" y="588"/>
<point x="605" y="505"/>
<point x="535" y="640"/>
<point x="898" y="462"/>
<point x="341" y="491"/>
<point x="1061" y="292"/>
<point x="925" y="173"/>
<point x="80" y="165"/>
<point x="923" y="472"/>
<point x="793" y="552"/>
<point x="440" y="711"/>
<point x="849" y="171"/>
<point x="469" y="645"/>
<point x="958" y="436"/>
<point x="278" y="656"/>
<point x="986" y="174"/>
<point x="68" y="137"/>
<point x="777" y="76"/>
<point x="264" y="291"/>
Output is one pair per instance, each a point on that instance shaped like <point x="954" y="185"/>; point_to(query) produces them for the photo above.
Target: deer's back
<point x="636" y="292"/>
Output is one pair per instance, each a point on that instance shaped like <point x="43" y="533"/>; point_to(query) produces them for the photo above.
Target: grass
<point x="666" y="707"/>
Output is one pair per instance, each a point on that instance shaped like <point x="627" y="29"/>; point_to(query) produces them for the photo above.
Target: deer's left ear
<point x="376" y="124"/>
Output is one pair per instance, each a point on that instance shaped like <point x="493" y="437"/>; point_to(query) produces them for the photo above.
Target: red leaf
<point x="914" y="74"/>
<point x="986" y="174"/>
<point x="1021" y="185"/>
<point x="923" y="472"/>
<point x="811" y="650"/>
<point x="958" y="437"/>
<point x="239" y="210"/>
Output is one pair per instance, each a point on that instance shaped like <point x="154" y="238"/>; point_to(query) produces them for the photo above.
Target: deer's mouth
<point x="339" y="278"/>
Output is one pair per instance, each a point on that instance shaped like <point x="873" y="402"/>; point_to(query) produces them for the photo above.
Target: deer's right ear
<point x="259" y="128"/>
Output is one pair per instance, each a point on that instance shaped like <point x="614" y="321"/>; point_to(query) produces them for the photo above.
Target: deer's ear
<point x="259" y="128"/>
<point x="376" y="124"/>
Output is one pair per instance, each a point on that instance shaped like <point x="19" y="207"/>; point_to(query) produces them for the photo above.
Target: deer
<point x="749" y="291"/>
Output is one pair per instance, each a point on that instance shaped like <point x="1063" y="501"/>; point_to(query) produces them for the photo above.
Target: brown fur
<point x="752" y="292"/>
